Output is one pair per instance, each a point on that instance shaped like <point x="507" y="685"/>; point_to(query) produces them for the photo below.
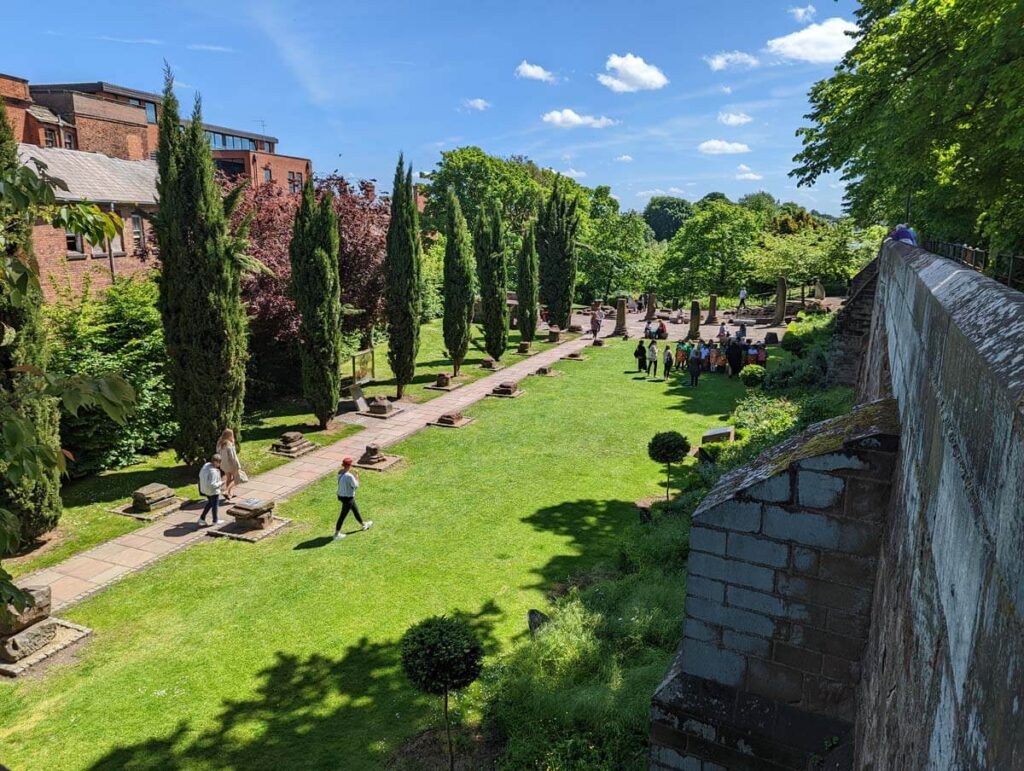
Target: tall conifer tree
<point x="527" y="285"/>
<point x="35" y="500"/>
<point x="316" y="289"/>
<point x="492" y="269"/>
<point x="200" y="295"/>
<point x="557" y="229"/>
<point x="402" y="279"/>
<point x="458" y="283"/>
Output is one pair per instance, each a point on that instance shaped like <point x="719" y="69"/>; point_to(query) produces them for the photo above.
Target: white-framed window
<point x="138" y="234"/>
<point x="50" y="137"/>
<point x="73" y="242"/>
<point x="70" y="141"/>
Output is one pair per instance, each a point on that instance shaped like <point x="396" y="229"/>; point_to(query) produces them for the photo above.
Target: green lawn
<point x="87" y="521"/>
<point x="284" y="654"/>
<point x="433" y="359"/>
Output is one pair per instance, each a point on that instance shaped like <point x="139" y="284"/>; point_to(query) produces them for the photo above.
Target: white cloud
<point x="818" y="44"/>
<point x="728" y="59"/>
<point x="803" y="14"/>
<point x="631" y="73"/>
<point x="294" y="49"/>
<point x="658" y="191"/>
<point x="571" y="119"/>
<point x="743" y="167"/>
<point x="751" y="175"/>
<point x="132" y="41"/>
<point x="721" y="147"/>
<point x="725" y="89"/>
<point x="625" y="159"/>
<point x="734" y="118"/>
<point x="477" y="104"/>
<point x="210" y="47"/>
<point x="534" y="72"/>
<point x="676" y="190"/>
<point x="574" y="173"/>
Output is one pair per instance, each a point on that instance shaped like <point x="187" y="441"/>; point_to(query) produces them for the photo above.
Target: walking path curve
<point x="93" y="570"/>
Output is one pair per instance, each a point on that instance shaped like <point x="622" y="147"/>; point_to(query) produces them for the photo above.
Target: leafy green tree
<point x="458" y="284"/>
<point x="440" y="655"/>
<point x="713" y="197"/>
<point x="668" y="447"/>
<point x="316" y="289"/>
<point x="528" y="286"/>
<point x="763" y="204"/>
<point x="927" y="108"/>
<point x="557" y="229"/>
<point x="202" y="261"/>
<point x="615" y="250"/>
<point x="711" y="252"/>
<point x="665" y="215"/>
<point x="27" y="196"/>
<point x="492" y="268"/>
<point x="402" y="274"/>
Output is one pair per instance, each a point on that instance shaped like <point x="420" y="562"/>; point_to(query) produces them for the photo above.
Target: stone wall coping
<point x="846" y="432"/>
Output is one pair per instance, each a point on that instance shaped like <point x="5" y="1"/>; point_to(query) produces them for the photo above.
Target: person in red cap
<point x="348" y="482"/>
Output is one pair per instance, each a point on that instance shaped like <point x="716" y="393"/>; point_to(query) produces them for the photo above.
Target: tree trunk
<point x="448" y="731"/>
<point x="455" y="368"/>
<point x="400" y="390"/>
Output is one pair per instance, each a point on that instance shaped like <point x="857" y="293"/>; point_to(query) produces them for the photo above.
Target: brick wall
<point x="13" y="88"/>
<point x="781" y="569"/>
<point x="103" y="126"/>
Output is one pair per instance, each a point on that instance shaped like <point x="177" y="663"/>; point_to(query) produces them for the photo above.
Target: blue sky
<point x="680" y="97"/>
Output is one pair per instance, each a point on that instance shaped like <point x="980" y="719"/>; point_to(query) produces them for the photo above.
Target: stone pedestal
<point x="724" y="434"/>
<point x="292" y="444"/>
<point x="524" y="347"/>
<point x="452" y="419"/>
<point x="781" y="289"/>
<point x="771" y="338"/>
<point x="20" y="620"/>
<point x="381" y="406"/>
<point x="694" y="333"/>
<point x="489" y="363"/>
<point x="373" y="459"/>
<point x="620" y="317"/>
<point x="152" y="497"/>
<point x="554" y="334"/>
<point x="652" y="307"/>
<point x="712" y="310"/>
<point x="443" y="380"/>
<point x="29" y="630"/>
<point x="253" y="513"/>
<point x="819" y="290"/>
<point x="507" y="389"/>
<point x="574" y="356"/>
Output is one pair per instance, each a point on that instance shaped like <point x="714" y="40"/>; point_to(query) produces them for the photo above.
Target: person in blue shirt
<point x="348" y="483"/>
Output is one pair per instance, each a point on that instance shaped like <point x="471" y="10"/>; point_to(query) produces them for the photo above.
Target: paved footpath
<point x="91" y="571"/>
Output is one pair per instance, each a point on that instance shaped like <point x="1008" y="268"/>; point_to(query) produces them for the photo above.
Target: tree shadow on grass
<point x="714" y="395"/>
<point x="304" y="713"/>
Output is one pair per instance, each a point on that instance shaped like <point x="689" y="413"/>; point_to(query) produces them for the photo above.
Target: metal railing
<point x="1006" y="269"/>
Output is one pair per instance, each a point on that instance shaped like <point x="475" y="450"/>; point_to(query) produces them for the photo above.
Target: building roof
<point x="96" y="177"/>
<point x="44" y="114"/>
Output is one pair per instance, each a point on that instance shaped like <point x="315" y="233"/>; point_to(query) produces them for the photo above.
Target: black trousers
<point x="668" y="368"/>
<point x="212" y="503"/>
<point x="743" y="302"/>
<point x="641" y="364"/>
<point x="652" y="367"/>
<point x="347" y="505"/>
<point x="694" y="376"/>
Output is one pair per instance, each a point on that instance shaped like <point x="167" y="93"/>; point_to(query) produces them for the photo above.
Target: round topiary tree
<point x="752" y="375"/>
<point x="668" y="447"/>
<point x="439" y="655"/>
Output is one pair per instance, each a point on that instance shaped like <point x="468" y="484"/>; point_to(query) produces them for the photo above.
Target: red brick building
<point x="63" y="123"/>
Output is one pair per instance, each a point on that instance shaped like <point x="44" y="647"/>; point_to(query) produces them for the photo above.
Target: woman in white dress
<point x="229" y="463"/>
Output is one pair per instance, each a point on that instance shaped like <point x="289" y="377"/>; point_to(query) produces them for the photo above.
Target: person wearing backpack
<point x="210" y="484"/>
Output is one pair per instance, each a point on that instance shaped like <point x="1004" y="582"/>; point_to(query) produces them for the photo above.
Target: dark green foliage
<point x="809" y="339"/>
<point x="557" y="229"/>
<point x="439" y="655"/>
<point x="458" y="284"/>
<point x="35" y="499"/>
<point x="668" y="447"/>
<point x="665" y="215"/>
<point x="492" y="270"/>
<point x="200" y="296"/>
<point x="528" y="286"/>
<point x="402" y="277"/>
<point x="316" y="289"/>
<point x="118" y="331"/>
<point x="752" y="375"/>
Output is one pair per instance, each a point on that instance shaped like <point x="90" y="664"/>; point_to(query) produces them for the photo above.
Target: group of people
<point x="656" y="329"/>
<point x="728" y="354"/>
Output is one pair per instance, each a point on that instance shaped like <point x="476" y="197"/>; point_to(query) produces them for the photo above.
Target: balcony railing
<point x="1006" y="269"/>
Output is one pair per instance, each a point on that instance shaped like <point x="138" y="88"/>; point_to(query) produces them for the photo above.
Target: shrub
<point x="439" y="655"/>
<point x="117" y="331"/>
<point x="752" y="375"/>
<point x="668" y="447"/>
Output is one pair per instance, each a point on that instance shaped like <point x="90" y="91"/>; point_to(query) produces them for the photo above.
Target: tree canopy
<point x="665" y="215"/>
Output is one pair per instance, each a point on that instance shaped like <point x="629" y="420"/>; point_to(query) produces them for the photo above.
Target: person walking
<point x="693" y="364"/>
<point x="348" y="483"/>
<point x="666" y="360"/>
<point x="210" y="484"/>
<point x="743" y="297"/>
<point x="734" y="355"/>
<point x="596" y="319"/>
<point x="640" y="354"/>
<point x="652" y="359"/>
<point x="229" y="463"/>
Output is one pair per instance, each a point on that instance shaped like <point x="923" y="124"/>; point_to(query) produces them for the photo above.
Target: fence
<point x="1006" y="269"/>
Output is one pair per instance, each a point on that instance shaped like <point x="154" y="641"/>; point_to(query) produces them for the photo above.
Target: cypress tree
<point x="458" y="283"/>
<point x="557" y="229"/>
<point x="493" y="272"/>
<point x="402" y="279"/>
<point x="316" y="289"/>
<point x="527" y="285"/>
<point x="34" y="502"/>
<point x="200" y="285"/>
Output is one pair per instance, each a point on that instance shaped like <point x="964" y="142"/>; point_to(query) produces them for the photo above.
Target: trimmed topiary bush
<point x="668" y="447"/>
<point x="439" y="655"/>
<point x="752" y="375"/>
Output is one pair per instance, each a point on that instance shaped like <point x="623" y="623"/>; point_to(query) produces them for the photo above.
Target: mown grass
<point x="284" y="654"/>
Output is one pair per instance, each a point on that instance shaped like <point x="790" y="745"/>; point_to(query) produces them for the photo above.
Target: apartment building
<point x="61" y="124"/>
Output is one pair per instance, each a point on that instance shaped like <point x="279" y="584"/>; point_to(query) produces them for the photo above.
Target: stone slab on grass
<point x="570" y="357"/>
<point x="66" y="634"/>
<point x="128" y="510"/>
<point x="388" y="461"/>
<point x="451" y="387"/>
<point x="514" y="395"/>
<point x="465" y="420"/>
<point x="238" y="532"/>
<point x="395" y="411"/>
